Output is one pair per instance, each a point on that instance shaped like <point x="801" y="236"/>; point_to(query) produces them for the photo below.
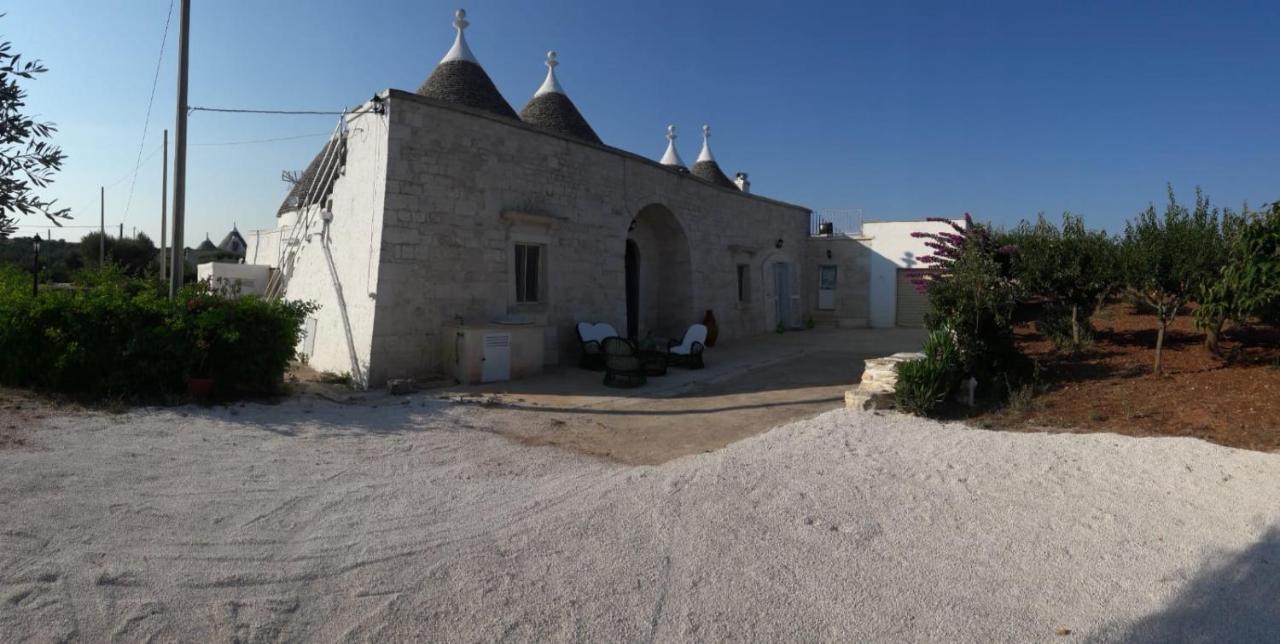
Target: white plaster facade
<point x="354" y="236"/>
<point x="892" y="247"/>
<point x="249" y="279"/>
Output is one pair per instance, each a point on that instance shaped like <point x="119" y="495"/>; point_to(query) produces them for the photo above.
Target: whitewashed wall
<point x="355" y="235"/>
<point x="893" y="247"/>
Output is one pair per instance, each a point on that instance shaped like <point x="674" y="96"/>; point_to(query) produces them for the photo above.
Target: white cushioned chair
<point x="688" y="352"/>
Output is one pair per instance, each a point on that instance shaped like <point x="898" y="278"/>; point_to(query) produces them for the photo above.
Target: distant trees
<point x="135" y="256"/>
<point x="27" y="159"/>
<point x="59" y="260"/>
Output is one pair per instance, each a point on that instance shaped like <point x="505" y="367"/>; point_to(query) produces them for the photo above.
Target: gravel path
<point x="313" y="521"/>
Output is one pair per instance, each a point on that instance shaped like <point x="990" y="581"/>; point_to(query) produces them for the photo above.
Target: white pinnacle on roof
<point x="672" y="157"/>
<point x="460" y="50"/>
<point x="551" y="85"/>
<point x="705" y="155"/>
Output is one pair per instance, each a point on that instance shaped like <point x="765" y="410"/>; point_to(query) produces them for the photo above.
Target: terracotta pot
<point x="200" y="388"/>
<point x="713" y="329"/>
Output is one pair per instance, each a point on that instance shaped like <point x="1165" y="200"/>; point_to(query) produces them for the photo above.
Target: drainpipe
<point x="357" y="374"/>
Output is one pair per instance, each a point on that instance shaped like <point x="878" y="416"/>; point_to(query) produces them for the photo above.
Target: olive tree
<point x="27" y="159"/>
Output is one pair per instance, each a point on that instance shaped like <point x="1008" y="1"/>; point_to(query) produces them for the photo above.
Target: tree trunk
<point x="1160" y="344"/>
<point x="1212" y="332"/>
<point x="1075" y="327"/>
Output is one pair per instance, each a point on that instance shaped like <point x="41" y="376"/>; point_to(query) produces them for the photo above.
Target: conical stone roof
<point x="308" y="187"/>
<point x="460" y="79"/>
<point x="706" y="168"/>
<point x="671" y="158"/>
<point x="551" y="109"/>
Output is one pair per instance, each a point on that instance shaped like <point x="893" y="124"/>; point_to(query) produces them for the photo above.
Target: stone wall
<point x="851" y="257"/>
<point x="462" y="187"/>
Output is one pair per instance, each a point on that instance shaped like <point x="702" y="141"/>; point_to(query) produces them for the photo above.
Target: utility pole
<point x="121" y="235"/>
<point x="102" y="226"/>
<point x="164" y="198"/>
<point x="180" y="150"/>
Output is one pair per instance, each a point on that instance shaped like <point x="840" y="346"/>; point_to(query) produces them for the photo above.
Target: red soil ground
<point x="1110" y="387"/>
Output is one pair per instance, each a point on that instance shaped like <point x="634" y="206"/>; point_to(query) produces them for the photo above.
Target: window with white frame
<point x="529" y="273"/>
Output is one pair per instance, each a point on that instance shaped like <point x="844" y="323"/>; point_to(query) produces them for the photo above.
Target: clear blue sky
<point x="1001" y="109"/>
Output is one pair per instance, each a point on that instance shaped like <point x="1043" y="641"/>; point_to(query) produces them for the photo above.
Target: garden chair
<point x="591" y="336"/>
<point x="622" y="364"/>
<point x="688" y="353"/>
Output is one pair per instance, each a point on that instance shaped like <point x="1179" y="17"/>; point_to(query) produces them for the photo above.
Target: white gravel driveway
<point x="318" y="522"/>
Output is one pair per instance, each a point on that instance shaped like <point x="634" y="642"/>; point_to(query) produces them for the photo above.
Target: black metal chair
<point x="622" y="364"/>
<point x="590" y="336"/>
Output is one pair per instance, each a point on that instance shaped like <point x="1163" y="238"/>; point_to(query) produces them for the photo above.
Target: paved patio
<point x="748" y="387"/>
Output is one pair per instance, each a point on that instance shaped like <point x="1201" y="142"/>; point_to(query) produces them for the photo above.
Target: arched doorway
<point x="659" y="282"/>
<point x="633" y="289"/>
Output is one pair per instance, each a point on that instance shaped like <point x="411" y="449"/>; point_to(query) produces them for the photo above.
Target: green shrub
<point x="975" y="301"/>
<point x="924" y="384"/>
<point x="119" y="337"/>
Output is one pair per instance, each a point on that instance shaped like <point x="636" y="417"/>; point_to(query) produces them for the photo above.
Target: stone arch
<point x="663" y="300"/>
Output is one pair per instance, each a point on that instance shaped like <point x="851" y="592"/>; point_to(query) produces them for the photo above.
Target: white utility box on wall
<point x="495" y="352"/>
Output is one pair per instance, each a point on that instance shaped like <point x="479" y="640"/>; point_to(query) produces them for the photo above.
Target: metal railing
<point x="830" y="222"/>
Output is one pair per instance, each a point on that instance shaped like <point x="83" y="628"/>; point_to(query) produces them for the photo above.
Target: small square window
<point x="528" y="268"/>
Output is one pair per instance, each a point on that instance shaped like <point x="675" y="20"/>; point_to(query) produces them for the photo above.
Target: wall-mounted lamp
<point x="778" y="244"/>
<point x="326" y="215"/>
<point x="828" y="253"/>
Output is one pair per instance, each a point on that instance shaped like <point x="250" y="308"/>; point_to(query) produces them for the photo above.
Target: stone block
<point x="868" y="400"/>
<point x="879" y="379"/>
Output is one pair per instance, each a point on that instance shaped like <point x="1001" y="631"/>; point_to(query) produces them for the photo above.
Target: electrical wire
<point x="146" y="122"/>
<point x="283" y="138"/>
<point x="237" y="111"/>
<point x="51" y="226"/>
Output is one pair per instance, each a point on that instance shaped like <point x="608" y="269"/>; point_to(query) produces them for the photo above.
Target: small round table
<point x="654" y="361"/>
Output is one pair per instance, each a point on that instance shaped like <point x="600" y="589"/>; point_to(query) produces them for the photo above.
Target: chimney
<point x="742" y="183"/>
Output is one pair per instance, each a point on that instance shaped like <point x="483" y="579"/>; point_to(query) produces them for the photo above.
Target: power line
<point x="50" y="226"/>
<point x="146" y="122"/>
<point x="284" y="138"/>
<point x="132" y="173"/>
<point x="236" y="111"/>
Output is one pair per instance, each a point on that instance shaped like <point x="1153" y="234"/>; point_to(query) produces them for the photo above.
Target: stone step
<point x="879" y="378"/>
<point x="868" y="400"/>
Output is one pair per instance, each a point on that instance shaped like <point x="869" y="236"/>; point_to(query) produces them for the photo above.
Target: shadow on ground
<point x="381" y="415"/>
<point x="1235" y="599"/>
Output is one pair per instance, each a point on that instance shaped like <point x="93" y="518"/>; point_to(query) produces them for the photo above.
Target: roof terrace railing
<point x="834" y="221"/>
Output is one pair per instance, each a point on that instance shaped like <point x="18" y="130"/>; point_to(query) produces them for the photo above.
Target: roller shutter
<point x="911" y="304"/>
